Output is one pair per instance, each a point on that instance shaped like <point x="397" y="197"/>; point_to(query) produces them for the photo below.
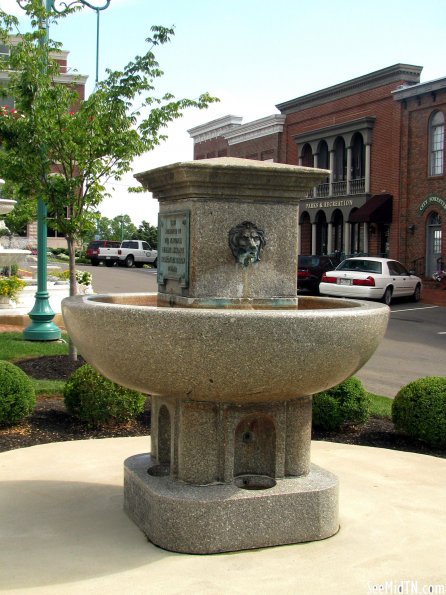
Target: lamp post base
<point x="42" y="327"/>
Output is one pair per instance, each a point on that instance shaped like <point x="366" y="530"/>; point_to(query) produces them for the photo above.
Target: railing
<point x="357" y="186"/>
<point x="339" y="188"/>
<point x="323" y="190"/>
<point x="418" y="266"/>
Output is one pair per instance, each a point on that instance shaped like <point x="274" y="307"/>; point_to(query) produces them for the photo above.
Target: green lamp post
<point x="42" y="327"/>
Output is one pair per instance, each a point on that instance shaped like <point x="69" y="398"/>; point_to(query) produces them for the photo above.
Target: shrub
<point x="419" y="409"/>
<point x="97" y="401"/>
<point x="17" y="396"/>
<point x="346" y="403"/>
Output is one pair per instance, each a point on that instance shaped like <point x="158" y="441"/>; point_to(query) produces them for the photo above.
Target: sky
<point x="251" y="54"/>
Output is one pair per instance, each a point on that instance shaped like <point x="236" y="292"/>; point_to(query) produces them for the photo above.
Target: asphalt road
<point x="414" y="345"/>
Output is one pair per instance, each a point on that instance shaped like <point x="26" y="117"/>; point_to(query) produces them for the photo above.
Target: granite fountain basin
<point x="225" y="355"/>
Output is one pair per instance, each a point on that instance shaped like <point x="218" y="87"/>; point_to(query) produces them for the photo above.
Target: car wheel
<point x="129" y="261"/>
<point x="94" y="262"/>
<point x="416" y="296"/>
<point x="387" y="297"/>
<point x="155" y="263"/>
<point x="109" y="263"/>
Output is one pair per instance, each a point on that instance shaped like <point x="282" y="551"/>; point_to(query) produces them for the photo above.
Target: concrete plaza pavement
<point x="63" y="529"/>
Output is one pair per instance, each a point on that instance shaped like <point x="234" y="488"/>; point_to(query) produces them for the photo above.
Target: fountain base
<point x="252" y="512"/>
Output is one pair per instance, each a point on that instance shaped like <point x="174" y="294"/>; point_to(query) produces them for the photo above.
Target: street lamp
<point x="42" y="327"/>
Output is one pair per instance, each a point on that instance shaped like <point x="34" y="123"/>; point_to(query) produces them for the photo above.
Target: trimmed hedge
<point x="17" y="395"/>
<point x="346" y="403"/>
<point x="97" y="401"/>
<point x="419" y="410"/>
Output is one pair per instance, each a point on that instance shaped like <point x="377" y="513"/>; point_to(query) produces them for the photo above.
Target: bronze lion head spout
<point x="246" y="241"/>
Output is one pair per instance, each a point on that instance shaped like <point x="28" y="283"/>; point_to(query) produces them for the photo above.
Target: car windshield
<point x="308" y="261"/>
<point x="361" y="266"/>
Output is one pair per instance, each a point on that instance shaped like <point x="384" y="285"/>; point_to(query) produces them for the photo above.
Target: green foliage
<point x="148" y="233"/>
<point x="11" y="287"/>
<point x="419" y="409"/>
<point x="53" y="145"/>
<point x="93" y="399"/>
<point x="17" y="396"/>
<point x="346" y="403"/>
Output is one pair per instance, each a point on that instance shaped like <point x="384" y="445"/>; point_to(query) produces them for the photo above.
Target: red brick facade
<point x="373" y="134"/>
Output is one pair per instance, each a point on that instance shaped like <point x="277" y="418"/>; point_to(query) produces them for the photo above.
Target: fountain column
<point x="228" y="240"/>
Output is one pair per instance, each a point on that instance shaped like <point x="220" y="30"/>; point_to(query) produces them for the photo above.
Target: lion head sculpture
<point x="246" y="241"/>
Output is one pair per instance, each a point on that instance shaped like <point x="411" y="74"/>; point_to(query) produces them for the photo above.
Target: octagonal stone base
<point x="221" y="518"/>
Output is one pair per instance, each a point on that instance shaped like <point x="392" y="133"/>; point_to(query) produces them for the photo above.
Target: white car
<point x="367" y="277"/>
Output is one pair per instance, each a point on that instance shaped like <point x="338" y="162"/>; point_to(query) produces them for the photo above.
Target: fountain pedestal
<point x="231" y="358"/>
<point x="225" y="477"/>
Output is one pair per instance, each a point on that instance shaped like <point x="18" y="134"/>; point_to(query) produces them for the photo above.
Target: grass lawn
<point x="14" y="347"/>
<point x="380" y="406"/>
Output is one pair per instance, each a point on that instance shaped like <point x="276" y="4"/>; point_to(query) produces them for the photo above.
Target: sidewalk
<point x="434" y="296"/>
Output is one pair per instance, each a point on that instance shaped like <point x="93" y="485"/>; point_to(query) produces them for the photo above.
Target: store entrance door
<point x="433" y="241"/>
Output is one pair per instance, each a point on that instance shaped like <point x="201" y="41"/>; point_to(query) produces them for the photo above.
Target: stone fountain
<point x="231" y="358"/>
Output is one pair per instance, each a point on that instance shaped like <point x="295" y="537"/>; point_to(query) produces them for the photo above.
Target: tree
<point x="148" y="233"/>
<point x="55" y="147"/>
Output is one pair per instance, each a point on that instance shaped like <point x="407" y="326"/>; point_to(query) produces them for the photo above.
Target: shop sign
<point x="432" y="201"/>
<point x="325" y="204"/>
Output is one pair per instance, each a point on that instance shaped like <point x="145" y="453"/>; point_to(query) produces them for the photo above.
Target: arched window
<point x="307" y="156"/>
<point x="436" y="144"/>
<point x="358" y="167"/>
<point x="323" y="161"/>
<point x="340" y="164"/>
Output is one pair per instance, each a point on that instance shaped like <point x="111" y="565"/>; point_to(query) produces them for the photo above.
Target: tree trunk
<point x="72" y="351"/>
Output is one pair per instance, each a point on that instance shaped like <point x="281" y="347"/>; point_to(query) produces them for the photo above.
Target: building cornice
<point x="406" y="92"/>
<point x="263" y="127"/>
<point x="214" y="128"/>
<point x="392" y="74"/>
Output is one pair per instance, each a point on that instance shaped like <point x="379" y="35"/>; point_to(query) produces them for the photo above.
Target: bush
<point x="419" y="409"/>
<point x="17" y="396"/>
<point x="346" y="403"/>
<point x="93" y="399"/>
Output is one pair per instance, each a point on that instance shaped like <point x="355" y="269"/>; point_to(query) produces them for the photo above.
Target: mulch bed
<point x="50" y="421"/>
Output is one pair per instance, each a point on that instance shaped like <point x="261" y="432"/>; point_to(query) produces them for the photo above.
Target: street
<point x="414" y="345"/>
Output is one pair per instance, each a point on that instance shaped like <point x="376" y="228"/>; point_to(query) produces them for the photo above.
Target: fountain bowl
<point x="225" y="355"/>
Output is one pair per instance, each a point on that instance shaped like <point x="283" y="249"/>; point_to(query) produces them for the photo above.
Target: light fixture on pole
<point x="42" y="327"/>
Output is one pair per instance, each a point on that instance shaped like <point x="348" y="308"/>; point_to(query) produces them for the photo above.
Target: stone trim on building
<point x="214" y="128"/>
<point x="263" y="127"/>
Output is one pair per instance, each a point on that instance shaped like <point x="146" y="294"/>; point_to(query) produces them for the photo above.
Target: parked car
<point x="310" y="270"/>
<point x="371" y="278"/>
<point x="93" y="250"/>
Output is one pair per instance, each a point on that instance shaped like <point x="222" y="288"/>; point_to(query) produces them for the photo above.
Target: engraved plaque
<point x="173" y="247"/>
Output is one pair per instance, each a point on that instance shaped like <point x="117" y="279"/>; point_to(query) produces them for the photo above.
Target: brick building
<point x="381" y="136"/>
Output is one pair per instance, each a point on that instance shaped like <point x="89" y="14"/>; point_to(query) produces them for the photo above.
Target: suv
<point x="92" y="251"/>
<point x="310" y="270"/>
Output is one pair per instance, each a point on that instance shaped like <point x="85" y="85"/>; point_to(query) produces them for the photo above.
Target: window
<point x="307" y="156"/>
<point x="436" y="143"/>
